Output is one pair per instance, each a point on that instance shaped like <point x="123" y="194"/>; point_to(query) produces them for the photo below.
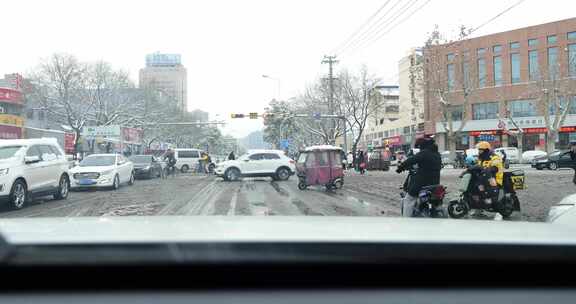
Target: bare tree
<point x="60" y="84"/>
<point x="359" y="101"/>
<point x="450" y="81"/>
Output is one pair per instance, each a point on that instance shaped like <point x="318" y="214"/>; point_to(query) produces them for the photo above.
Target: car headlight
<point x="107" y="172"/>
<point x="4" y="171"/>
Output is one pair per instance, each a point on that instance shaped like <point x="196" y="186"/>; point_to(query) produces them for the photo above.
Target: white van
<point x="187" y="159"/>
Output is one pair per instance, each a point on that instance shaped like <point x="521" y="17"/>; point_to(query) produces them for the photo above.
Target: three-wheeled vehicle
<point x="320" y="165"/>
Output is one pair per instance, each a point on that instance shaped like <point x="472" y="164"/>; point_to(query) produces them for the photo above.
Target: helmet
<point x="470" y="161"/>
<point x="424" y="142"/>
<point x="483" y="145"/>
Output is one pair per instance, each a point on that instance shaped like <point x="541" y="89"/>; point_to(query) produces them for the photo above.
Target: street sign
<point x="316" y="115"/>
<point x="113" y="131"/>
<point x="253" y="115"/>
<point x="501" y="124"/>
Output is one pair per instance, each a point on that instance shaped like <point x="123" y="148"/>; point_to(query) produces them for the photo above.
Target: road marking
<point x="233" y="201"/>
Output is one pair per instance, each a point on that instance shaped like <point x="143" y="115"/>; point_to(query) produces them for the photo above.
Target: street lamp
<point x="275" y="79"/>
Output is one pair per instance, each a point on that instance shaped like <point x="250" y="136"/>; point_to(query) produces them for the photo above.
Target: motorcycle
<point x="478" y="190"/>
<point x="430" y="198"/>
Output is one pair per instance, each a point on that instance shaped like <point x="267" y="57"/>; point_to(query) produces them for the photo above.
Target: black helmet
<point x="424" y="142"/>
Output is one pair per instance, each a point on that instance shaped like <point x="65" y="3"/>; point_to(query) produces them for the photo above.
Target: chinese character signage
<point x="10" y="132"/>
<point x="12" y="120"/>
<point x="108" y="131"/>
<point x="10" y="96"/>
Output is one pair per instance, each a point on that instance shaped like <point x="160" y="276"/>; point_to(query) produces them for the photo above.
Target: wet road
<point x="374" y="194"/>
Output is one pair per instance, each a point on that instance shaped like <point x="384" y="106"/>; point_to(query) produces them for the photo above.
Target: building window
<point x="533" y="66"/>
<point x="481" y="73"/>
<point x="480" y="52"/>
<point x="497" y="48"/>
<point x="522" y="108"/>
<point x="381" y="121"/>
<point x="562" y="104"/>
<point x="552" y="39"/>
<point x="553" y="62"/>
<point x="532" y="42"/>
<point x="498" y="71"/>
<point x="450" y="75"/>
<point x="466" y="72"/>
<point x="515" y="67"/>
<point x="30" y="114"/>
<point x="456" y="112"/>
<point x="571" y="36"/>
<point x="406" y="130"/>
<point x="386" y="134"/>
<point x="380" y="134"/>
<point x="572" y="60"/>
<point x="487" y="110"/>
<point x="514" y="45"/>
<point x="450" y="57"/>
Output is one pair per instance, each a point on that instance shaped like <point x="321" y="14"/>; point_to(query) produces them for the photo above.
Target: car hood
<point x="134" y="229"/>
<point x="98" y="169"/>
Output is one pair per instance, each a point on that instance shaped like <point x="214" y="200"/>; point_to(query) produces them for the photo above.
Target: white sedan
<point x="103" y="170"/>
<point x="529" y="156"/>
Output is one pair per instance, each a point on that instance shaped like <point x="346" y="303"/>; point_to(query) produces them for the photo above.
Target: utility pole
<point x="331" y="60"/>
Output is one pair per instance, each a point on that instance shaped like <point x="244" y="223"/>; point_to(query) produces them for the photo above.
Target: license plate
<point x="86" y="182"/>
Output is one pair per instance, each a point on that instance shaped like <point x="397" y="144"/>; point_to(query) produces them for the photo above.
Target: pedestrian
<point x="504" y="157"/>
<point x="231" y="156"/>
<point x="202" y="163"/>
<point x="573" y="157"/>
<point x="362" y="162"/>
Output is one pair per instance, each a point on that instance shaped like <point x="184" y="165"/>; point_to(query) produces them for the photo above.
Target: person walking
<point x="573" y="157"/>
<point x="362" y="162"/>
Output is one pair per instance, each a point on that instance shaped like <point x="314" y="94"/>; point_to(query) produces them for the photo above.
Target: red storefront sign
<point x="568" y="129"/>
<point x="69" y="141"/>
<point x="10" y="96"/>
<point x="10" y="132"/>
<point x="535" y="130"/>
<point x="478" y="133"/>
<point x="393" y="141"/>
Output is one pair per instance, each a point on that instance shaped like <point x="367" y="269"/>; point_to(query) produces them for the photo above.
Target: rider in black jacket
<point x="429" y="164"/>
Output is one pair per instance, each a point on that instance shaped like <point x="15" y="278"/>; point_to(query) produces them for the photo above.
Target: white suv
<point x="271" y="163"/>
<point x="30" y="168"/>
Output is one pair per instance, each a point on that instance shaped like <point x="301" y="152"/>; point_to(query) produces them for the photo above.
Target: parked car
<point x="187" y="159"/>
<point x="511" y="154"/>
<point x="103" y="170"/>
<point x="146" y="166"/>
<point x="556" y="159"/>
<point x="269" y="163"/>
<point x="378" y="160"/>
<point x="528" y="156"/>
<point x="31" y="168"/>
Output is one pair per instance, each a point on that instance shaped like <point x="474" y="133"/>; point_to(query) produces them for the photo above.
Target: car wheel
<point x="63" y="188"/>
<point x="538" y="167"/>
<point x="282" y="174"/>
<point x="116" y="183"/>
<point x="18" y="195"/>
<point x="553" y="166"/>
<point x="232" y="174"/>
<point x="131" y="181"/>
<point x="184" y="168"/>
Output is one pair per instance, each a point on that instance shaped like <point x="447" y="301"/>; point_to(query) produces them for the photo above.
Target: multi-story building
<point x="165" y="73"/>
<point x="11" y="107"/>
<point x="478" y="84"/>
<point x="385" y="111"/>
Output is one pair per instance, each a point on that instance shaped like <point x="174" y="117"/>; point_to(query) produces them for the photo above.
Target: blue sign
<point x="487" y="137"/>
<point x="284" y="144"/>
<point x="316" y="115"/>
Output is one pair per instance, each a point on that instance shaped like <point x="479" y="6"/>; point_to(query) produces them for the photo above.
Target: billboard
<point x="112" y="131"/>
<point x="12" y="120"/>
<point x="160" y="60"/>
<point x="10" y="96"/>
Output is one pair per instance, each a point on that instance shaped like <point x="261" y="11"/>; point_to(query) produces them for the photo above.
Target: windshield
<point x="95" y="161"/>
<point x="141" y="159"/>
<point x="9" y="151"/>
<point x="173" y="112"/>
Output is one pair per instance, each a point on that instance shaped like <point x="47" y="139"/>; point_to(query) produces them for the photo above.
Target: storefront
<point x="11" y="126"/>
<point x="494" y="137"/>
<point x="394" y="143"/>
<point x="567" y="135"/>
<point x="532" y="139"/>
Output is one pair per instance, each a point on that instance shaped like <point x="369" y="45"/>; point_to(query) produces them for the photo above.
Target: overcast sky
<point x="227" y="45"/>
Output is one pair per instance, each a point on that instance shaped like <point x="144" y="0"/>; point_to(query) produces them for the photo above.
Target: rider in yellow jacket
<point x="488" y="159"/>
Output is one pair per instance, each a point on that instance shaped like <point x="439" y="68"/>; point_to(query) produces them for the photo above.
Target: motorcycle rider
<point x="170" y="160"/>
<point x="429" y="164"/>
<point x="488" y="160"/>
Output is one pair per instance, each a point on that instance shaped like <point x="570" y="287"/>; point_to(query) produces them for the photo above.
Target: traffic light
<point x="237" y="115"/>
<point x="253" y="115"/>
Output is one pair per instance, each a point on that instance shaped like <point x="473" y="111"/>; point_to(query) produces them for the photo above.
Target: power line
<point x="384" y="30"/>
<point x="374" y="25"/>
<point x="495" y="17"/>
<point x="351" y="37"/>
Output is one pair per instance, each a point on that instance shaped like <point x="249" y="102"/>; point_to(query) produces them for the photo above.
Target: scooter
<point x="430" y="198"/>
<point x="478" y="190"/>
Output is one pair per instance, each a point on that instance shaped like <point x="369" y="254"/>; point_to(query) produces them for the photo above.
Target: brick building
<point x="517" y="73"/>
